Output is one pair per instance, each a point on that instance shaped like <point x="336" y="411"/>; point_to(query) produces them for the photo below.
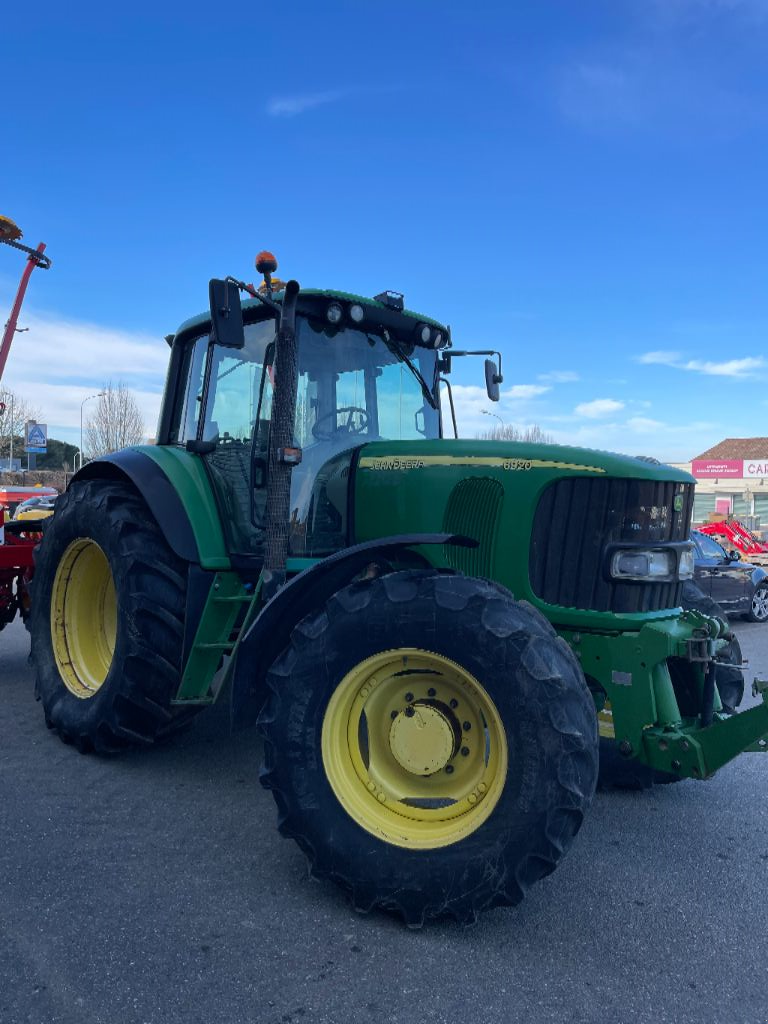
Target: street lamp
<point x="487" y="412"/>
<point x="99" y="394"/>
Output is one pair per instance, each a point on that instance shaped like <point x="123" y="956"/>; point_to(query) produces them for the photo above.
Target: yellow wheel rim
<point x="83" y="617"/>
<point x="414" y="749"/>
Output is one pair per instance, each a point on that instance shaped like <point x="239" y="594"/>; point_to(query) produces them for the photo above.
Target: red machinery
<point x="17" y="540"/>
<point x="735" y="536"/>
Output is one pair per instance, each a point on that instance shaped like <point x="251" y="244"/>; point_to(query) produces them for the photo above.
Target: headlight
<point x="644" y="565"/>
<point x="356" y="313"/>
<point x="685" y="569"/>
<point x="334" y="313"/>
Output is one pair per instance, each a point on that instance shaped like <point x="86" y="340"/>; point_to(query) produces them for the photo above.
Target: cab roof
<point x="204" y="318"/>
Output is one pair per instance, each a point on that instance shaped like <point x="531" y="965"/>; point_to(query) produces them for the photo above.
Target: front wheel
<point x="430" y="743"/>
<point x="758" y="610"/>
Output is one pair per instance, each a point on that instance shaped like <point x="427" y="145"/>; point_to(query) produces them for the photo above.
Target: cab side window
<point x="185" y="428"/>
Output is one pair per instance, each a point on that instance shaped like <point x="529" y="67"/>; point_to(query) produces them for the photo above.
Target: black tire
<point x="132" y="705"/>
<point x="617" y="772"/>
<point x="758" y="609"/>
<point x="547" y="714"/>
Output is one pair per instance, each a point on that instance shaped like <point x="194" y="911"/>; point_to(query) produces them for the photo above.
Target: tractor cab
<point x="367" y="370"/>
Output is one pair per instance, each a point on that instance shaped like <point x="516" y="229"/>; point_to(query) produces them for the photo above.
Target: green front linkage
<point x="632" y="669"/>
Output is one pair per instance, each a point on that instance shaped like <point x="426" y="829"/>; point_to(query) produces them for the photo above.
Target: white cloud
<point x="695" y="9"/>
<point x="524" y="391"/>
<point x="598" y="408"/>
<point x="665" y="358"/>
<point x="728" y="368"/>
<point x="290" y="106"/>
<point x="645" y="90"/>
<point x="559" y="377"/>
<point x="644" y="425"/>
<point x="58" y="363"/>
<point x="475" y="413"/>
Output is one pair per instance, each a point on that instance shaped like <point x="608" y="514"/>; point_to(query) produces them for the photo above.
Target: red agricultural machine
<point x="734" y="536"/>
<point x="17" y="539"/>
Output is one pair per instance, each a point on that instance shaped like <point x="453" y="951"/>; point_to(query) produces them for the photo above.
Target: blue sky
<point x="582" y="184"/>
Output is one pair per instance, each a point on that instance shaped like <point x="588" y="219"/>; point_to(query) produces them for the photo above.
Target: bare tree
<point x="116" y="423"/>
<point x="17" y="411"/>
<point x="508" y="432"/>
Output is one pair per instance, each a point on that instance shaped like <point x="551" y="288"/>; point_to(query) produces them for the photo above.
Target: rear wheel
<point x="430" y="743"/>
<point x="107" y="620"/>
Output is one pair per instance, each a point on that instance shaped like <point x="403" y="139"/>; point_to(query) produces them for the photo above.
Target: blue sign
<point x="36" y="438"/>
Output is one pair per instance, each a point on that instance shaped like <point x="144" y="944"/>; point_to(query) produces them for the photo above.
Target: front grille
<point x="577" y="518"/>
<point x="473" y="509"/>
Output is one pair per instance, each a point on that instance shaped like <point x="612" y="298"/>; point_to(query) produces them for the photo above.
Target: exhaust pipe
<point x="281" y="437"/>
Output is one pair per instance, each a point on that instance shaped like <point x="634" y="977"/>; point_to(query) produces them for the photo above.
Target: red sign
<point x="705" y="469"/>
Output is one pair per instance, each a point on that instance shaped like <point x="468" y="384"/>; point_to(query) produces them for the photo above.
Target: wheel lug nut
<point x="449" y="769"/>
<point x="466" y="726"/>
<point x="409" y="712"/>
<point x="465" y="751"/>
<point x="431" y="691"/>
<point x="409" y="697"/>
<point x="393" y="715"/>
<point x="454" y="703"/>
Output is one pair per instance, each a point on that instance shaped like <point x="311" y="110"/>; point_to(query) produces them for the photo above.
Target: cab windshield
<point x="353" y="388"/>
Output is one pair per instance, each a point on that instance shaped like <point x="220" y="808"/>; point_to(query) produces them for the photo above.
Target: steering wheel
<point x="347" y="427"/>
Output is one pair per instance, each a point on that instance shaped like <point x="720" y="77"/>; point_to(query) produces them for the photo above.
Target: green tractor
<point x="304" y="539"/>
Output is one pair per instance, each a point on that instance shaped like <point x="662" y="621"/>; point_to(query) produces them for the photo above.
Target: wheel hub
<point x="422" y="739"/>
<point x="83" y="617"/>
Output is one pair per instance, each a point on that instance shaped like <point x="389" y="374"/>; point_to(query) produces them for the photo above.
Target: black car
<point x="738" y="587"/>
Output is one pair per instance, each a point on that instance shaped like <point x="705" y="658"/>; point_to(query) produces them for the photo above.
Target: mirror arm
<point x="444" y="380"/>
<point x="250" y="290"/>
<point x="499" y="379"/>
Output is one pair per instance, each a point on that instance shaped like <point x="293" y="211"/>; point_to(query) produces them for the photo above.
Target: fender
<point x="269" y="634"/>
<point x="175" y="486"/>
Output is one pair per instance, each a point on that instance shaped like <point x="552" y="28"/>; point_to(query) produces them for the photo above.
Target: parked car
<point x="740" y="588"/>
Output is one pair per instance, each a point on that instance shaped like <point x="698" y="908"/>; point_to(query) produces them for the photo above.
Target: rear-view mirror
<point x="492" y="380"/>
<point x="226" y="314"/>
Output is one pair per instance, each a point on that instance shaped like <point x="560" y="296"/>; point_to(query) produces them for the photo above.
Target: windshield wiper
<point x="394" y="346"/>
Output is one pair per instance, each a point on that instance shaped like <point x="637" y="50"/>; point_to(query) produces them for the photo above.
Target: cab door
<point x="228" y="428"/>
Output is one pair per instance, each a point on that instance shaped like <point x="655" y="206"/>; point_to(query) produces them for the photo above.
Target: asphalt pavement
<point x="153" y="888"/>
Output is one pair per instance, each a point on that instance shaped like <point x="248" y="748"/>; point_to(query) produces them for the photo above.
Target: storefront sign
<point x="707" y="470"/>
<point x="756" y="469"/>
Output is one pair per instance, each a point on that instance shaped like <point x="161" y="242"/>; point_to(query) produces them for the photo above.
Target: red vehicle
<point x="12" y="497"/>
<point x="734" y="536"/>
<point x="17" y="540"/>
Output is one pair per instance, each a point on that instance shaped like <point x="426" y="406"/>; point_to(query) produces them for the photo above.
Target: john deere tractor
<point x="303" y="538"/>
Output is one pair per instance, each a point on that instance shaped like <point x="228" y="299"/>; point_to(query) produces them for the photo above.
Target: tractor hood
<point x="550" y="520"/>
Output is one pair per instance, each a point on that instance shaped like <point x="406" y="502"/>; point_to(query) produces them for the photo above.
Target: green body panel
<point x="187" y="474"/>
<point x="405" y="487"/>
